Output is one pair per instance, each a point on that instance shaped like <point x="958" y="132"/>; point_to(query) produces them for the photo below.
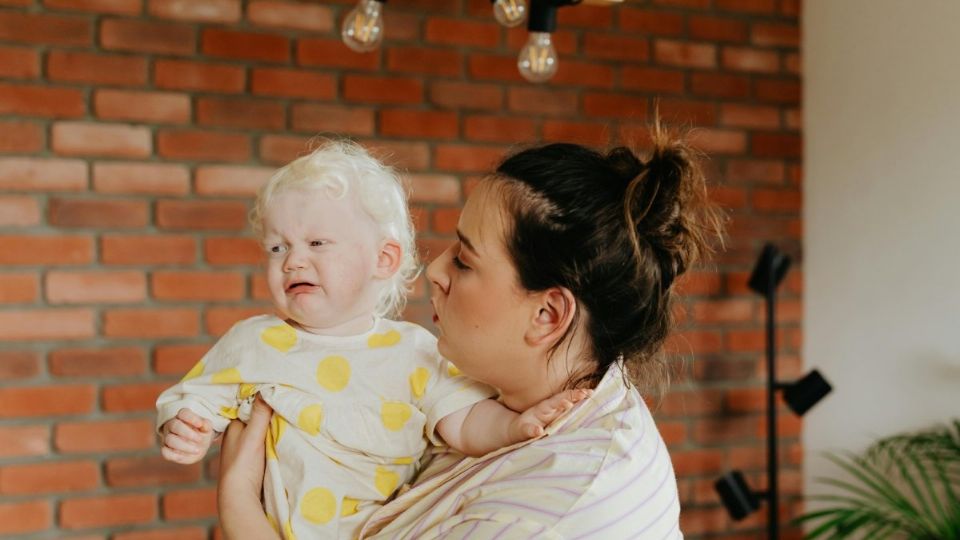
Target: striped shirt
<point x="602" y="471"/>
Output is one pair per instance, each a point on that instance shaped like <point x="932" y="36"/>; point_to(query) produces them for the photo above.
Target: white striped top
<point x="602" y="471"/>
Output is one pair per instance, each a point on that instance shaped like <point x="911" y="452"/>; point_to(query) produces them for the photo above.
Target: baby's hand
<point x="530" y="423"/>
<point x="186" y="437"/>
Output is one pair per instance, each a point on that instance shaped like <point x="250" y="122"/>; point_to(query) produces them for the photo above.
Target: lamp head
<point x="737" y="497"/>
<point x="806" y="392"/>
<point x="772" y="262"/>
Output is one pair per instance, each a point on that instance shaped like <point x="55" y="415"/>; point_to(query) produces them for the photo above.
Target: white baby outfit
<point x="352" y="416"/>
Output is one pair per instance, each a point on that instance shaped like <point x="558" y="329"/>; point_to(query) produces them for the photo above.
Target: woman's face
<point x="480" y="308"/>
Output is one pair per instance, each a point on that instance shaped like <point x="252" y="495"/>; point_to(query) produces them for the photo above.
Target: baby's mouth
<point x="299" y="286"/>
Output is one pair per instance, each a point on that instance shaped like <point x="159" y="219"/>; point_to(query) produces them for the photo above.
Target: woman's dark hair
<point x="617" y="231"/>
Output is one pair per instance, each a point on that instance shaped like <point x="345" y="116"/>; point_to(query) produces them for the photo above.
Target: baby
<point x="357" y="396"/>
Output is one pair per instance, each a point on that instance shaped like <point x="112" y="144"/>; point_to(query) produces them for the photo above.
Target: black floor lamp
<point x="737" y="496"/>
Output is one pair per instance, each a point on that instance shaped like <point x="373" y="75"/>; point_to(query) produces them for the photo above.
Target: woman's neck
<point x="546" y="379"/>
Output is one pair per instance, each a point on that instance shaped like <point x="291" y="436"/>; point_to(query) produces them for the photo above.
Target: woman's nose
<point x="436" y="271"/>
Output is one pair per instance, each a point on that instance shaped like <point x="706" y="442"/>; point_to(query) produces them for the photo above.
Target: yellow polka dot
<point x="333" y="373"/>
<point x="226" y="376"/>
<point x="418" y="381"/>
<point x="288" y="531"/>
<point x="349" y="506"/>
<point x="277" y="427"/>
<point x="383" y="340"/>
<point x="318" y="506"/>
<point x="195" y="371"/>
<point x="394" y="414"/>
<point x="281" y="337"/>
<point x="246" y="390"/>
<point x="310" y="418"/>
<point x="452" y="370"/>
<point x="386" y="481"/>
<point x="228" y="412"/>
<point x="403" y="461"/>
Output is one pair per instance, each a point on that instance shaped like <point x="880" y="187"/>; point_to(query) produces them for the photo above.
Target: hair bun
<point x="625" y="164"/>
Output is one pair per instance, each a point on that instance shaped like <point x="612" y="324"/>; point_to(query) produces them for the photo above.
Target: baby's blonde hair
<point x="337" y="167"/>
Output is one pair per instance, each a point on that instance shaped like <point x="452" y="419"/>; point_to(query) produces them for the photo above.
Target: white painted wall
<point x="881" y="218"/>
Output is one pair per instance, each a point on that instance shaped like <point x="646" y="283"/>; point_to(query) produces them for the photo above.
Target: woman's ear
<point x="388" y="259"/>
<point x="555" y="309"/>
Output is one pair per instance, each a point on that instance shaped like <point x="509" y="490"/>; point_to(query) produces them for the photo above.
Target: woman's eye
<point x="459" y="264"/>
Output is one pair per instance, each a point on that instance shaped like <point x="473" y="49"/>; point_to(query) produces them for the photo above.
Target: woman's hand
<point x="242" y="464"/>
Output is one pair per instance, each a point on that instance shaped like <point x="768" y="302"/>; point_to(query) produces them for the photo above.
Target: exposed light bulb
<point x="538" y="58"/>
<point x="363" y="28"/>
<point x="510" y="13"/>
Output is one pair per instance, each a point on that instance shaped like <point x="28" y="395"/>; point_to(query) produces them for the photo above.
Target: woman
<point x="561" y="278"/>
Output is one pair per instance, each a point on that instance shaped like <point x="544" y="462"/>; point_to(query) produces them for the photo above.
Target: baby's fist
<point x="531" y="422"/>
<point x="186" y="437"/>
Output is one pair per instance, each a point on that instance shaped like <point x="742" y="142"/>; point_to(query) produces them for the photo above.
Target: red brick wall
<point x="133" y="133"/>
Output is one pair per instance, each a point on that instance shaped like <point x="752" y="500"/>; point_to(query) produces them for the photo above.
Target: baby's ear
<point x="388" y="258"/>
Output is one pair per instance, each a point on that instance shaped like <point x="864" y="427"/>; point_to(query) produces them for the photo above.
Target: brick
<point x="496" y="128"/>
<point x="220" y="319"/>
<point x="240" y="113"/>
<point x="201" y="215"/>
<point x="24" y="517"/>
<point x="612" y="47"/>
<point x="465" y="158"/>
<point x="115" y="7"/>
<point x="203" y="76"/>
<point x="258" y="286"/>
<point x="776" y="145"/>
<point x="445" y="220"/>
<point x="401" y="26"/>
<point x="565" y="42"/>
<point x="134" y="178"/>
<point x="707" y="28"/>
<point x="753" y="60"/>
<point x="240" y="45"/>
<point x="434" y="188"/>
<point x="775" y="35"/>
<point x="405" y="156"/>
<point x="750" y="116"/>
<point x="50" y="477"/>
<point x="469" y="96"/>
<point x="786" y="92"/>
<point x="18" y="288"/>
<point x="114" y="140"/>
<point x="205" y="285"/>
<point x="97" y="213"/>
<point x="18" y="211"/>
<point x="332" y="119"/>
<point x="231" y="180"/>
<point x="149" y="107"/>
<point x="729" y="197"/>
<point x="35" y="100"/>
<point x="213" y="11"/>
<point x="694" y="4"/>
<point x="177" y="359"/>
<point x="652" y="79"/>
<point x="232" y="250"/>
<point x="45" y="29"/>
<point x="699" y="283"/>
<point x="723" y="311"/>
<point x="52" y="400"/>
<point x="697" y="462"/>
<point x="20" y="136"/>
<point x="767" y="200"/>
<point x="169" y="533"/>
<point x="312" y="18"/>
<point x="548" y="102"/>
<point x="133" y="397"/>
<point x="647" y="21"/>
<point x="149" y="249"/>
<point x="294" y="83"/>
<point x="449" y="31"/>
<point x="755" y="171"/>
<point x="95" y="287"/>
<point x="685" y="54"/>
<point x="83" y="67"/>
<point x="332" y="53"/>
<point x="50" y="324"/>
<point x="494" y="67"/>
<point x="589" y="133"/>
<point x="97" y="362"/>
<point x="147" y="37"/>
<point x="150" y="323"/>
<point x="19" y="63"/>
<point x="793" y="119"/>
<point x="746" y="6"/>
<point x="719" y="141"/>
<point x="419" y="124"/>
<point x="105" y="436"/>
<point x="203" y="145"/>
<point x="591" y="74"/>
<point x="148" y="471"/>
<point x="586" y="16"/>
<point x="282" y="149"/>
<point x="19" y="365"/>
<point x="371" y="89"/>
<point x="696" y="343"/>
<point x="722" y="85"/>
<point x="682" y="111"/>
<point x="424" y="60"/>
<point x="614" y="105"/>
<point x="190" y="504"/>
<point x="106" y="511"/>
<point x="46" y="250"/>
<point x="23" y="441"/>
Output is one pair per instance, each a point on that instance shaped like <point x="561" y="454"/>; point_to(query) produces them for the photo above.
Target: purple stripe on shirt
<point x="569" y="441"/>
<point x="514" y="504"/>
<point x="629" y="513"/>
<point x="506" y="528"/>
<point x="616" y="492"/>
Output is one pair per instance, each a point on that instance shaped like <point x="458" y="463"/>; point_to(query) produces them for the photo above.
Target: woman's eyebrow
<point x="466" y="242"/>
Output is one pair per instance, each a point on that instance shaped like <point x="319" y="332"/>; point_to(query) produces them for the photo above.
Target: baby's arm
<point x="489" y="425"/>
<point x="186" y="437"/>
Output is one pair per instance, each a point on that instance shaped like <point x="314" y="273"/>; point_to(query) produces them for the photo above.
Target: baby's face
<point x="321" y="259"/>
